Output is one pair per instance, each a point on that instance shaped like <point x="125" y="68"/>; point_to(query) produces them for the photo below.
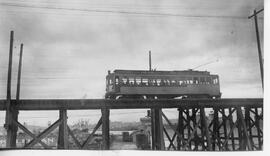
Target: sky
<point x="70" y="45"/>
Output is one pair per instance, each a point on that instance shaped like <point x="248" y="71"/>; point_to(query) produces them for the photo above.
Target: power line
<point x="120" y="12"/>
<point x="102" y="5"/>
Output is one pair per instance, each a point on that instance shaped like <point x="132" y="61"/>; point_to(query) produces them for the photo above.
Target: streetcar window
<point x="110" y="81"/>
<point x="208" y="80"/>
<point x="162" y="83"/>
<point x="196" y="80"/>
<point x="145" y="82"/>
<point x="215" y="80"/>
<point x="124" y="80"/>
<point x="165" y="82"/>
<point x="181" y="82"/>
<point x="154" y="82"/>
<point x="173" y="82"/>
<point x="184" y="81"/>
<point x="138" y="81"/>
<point x="202" y="80"/>
<point x="168" y="82"/>
<point x="116" y="80"/>
<point x="158" y="82"/>
<point x="131" y="81"/>
<point x="150" y="82"/>
<point x="189" y="80"/>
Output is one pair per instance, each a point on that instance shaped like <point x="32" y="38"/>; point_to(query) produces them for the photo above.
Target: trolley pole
<point x="150" y="63"/>
<point x="156" y="123"/>
<point x="258" y="41"/>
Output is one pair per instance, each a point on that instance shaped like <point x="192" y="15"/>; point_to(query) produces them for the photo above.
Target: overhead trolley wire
<point x="120" y="11"/>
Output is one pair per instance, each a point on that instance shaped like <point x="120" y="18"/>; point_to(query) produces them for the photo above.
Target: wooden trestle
<point x="233" y="124"/>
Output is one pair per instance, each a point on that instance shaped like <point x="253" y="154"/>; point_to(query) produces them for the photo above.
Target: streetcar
<point x="144" y="84"/>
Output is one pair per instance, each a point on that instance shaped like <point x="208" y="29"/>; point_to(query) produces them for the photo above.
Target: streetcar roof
<point x="154" y="72"/>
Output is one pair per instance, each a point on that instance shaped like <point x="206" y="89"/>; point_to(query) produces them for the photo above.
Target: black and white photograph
<point x="132" y="75"/>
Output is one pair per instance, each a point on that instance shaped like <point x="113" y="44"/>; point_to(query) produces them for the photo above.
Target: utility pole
<point x="19" y="76"/>
<point x="8" y="121"/>
<point x="258" y="41"/>
<point x="14" y="111"/>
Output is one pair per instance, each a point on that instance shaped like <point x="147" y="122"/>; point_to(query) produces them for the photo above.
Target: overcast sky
<point x="70" y="45"/>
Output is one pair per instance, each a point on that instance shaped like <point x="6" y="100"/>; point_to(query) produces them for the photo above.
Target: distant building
<point x="23" y="139"/>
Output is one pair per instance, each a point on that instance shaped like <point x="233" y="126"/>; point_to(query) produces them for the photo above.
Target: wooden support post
<point x="248" y="123"/>
<point x="194" y="120"/>
<point x="63" y="130"/>
<point x="11" y="139"/>
<point x="224" y="120"/>
<point x="105" y="128"/>
<point x="153" y="129"/>
<point x="240" y="134"/>
<point x="258" y="127"/>
<point x="232" y="127"/>
<point x="205" y="130"/>
<point x="180" y="128"/>
<point x="189" y="127"/>
<point x="159" y="130"/>
<point x="215" y="134"/>
<point x="244" y="128"/>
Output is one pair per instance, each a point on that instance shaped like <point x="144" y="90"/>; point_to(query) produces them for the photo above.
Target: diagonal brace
<point x="91" y="136"/>
<point x="73" y="137"/>
<point x="44" y="133"/>
<point x="29" y="133"/>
